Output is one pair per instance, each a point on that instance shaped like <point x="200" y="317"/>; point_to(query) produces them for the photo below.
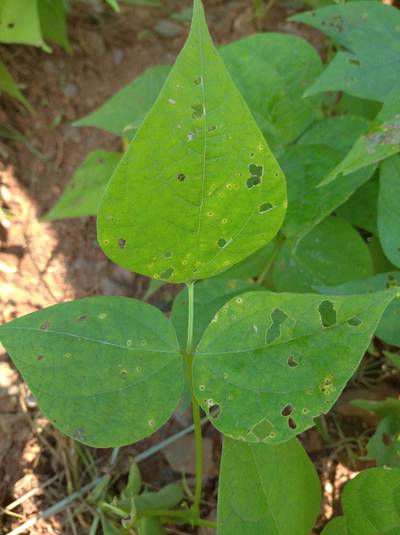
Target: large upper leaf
<point x="389" y="209"/>
<point x="288" y="65"/>
<point x="83" y="193"/>
<point x="265" y="489"/>
<point x="105" y="370"/>
<point x="371" y="504"/>
<point x="332" y="253"/>
<point x="20" y="23"/>
<point x="369" y="67"/>
<point x="389" y="327"/>
<point x="269" y="363"/>
<point x="198" y="189"/>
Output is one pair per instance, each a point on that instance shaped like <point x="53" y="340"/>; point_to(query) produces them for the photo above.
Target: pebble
<point x="167" y="28"/>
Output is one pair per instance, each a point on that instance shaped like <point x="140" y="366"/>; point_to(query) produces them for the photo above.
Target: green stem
<point x="187" y="516"/>
<point x="195" y="405"/>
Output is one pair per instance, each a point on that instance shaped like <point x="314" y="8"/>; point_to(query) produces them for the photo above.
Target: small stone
<point x="167" y="28"/>
<point x="70" y="90"/>
<point x="118" y="56"/>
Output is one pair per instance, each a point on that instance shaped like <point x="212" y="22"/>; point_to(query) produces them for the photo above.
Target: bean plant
<point x="197" y="195"/>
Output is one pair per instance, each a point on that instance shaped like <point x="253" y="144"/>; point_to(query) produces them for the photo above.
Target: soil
<point x="46" y="263"/>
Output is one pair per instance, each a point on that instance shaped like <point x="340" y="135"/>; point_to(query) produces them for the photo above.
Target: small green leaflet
<point x="265" y="489"/>
<point x="369" y="67"/>
<point x="83" y="193"/>
<point x="198" y="189"/>
<point x="389" y="208"/>
<point x="269" y="363"/>
<point x="371" y="504"/>
<point x="20" y="23"/>
<point x="384" y="446"/>
<point x="91" y="364"/>
<point x="389" y="327"/>
<point x="9" y="86"/>
<point x="332" y="253"/>
<point x="210" y="296"/>
<point x="288" y="64"/>
<point x="53" y="22"/>
<point x="124" y="112"/>
<point x="361" y="209"/>
<point x="381" y="141"/>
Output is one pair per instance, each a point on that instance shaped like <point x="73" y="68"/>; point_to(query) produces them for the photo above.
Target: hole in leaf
<point x="274" y="331"/>
<point x="327" y="313"/>
<point x="121" y="243"/>
<point x="40" y="357"/>
<point x="198" y="111"/>
<point x="287" y="410"/>
<point x="265" y="207"/>
<point x="256" y="170"/>
<point x="292" y="362"/>
<point x="181" y="177"/>
<point x="354" y="322"/>
<point x="221" y="242"/>
<point x="45" y="326"/>
<point x="262" y="429"/>
<point x="167" y="273"/>
<point x="291" y="423"/>
<point x="253" y="181"/>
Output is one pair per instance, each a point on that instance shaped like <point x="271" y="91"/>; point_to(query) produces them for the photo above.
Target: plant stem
<point x="195" y="405"/>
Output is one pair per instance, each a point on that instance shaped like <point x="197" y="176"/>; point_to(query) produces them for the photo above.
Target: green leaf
<point x="83" y="193"/>
<point x="9" y="86"/>
<point x="332" y="253"/>
<point x="113" y="4"/>
<point x="272" y="70"/>
<point x="269" y="363"/>
<point x="210" y="295"/>
<point x="388" y="329"/>
<point x="389" y="209"/>
<point x="336" y="526"/>
<point x="203" y="194"/>
<point x="124" y="112"/>
<point x="53" y="22"/>
<point x="371" y="504"/>
<point x="251" y="266"/>
<point x="384" y="445"/>
<point x="361" y="209"/>
<point x="369" y="32"/>
<point x="288" y="64"/>
<point x="105" y="370"/>
<point x="20" y="23"/>
<point x="255" y="477"/>
<point x="381" y="141"/>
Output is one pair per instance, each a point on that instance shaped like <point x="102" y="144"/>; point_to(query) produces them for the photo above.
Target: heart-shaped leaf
<point x="269" y="363"/>
<point x="371" y="504"/>
<point x="105" y="370"/>
<point x="198" y="189"/>
<point x="253" y="480"/>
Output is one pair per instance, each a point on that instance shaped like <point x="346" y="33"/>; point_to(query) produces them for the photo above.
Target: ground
<point x="42" y="264"/>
